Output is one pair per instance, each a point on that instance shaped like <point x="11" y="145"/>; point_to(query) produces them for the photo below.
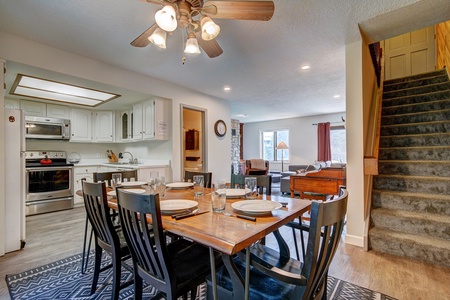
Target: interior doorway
<point x="193" y="139"/>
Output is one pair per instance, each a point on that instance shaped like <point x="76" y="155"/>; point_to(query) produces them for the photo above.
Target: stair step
<point x="417" y="107"/>
<point x="416" y="128"/>
<point x="417" y="202"/>
<point x="432" y="250"/>
<point x="414" y="83"/>
<point x="430" y="225"/>
<point x="415" y="140"/>
<point x="440" y="153"/>
<point x="419" y="117"/>
<point x="414" y="168"/>
<point x="415" y="184"/>
<point x="416" y="77"/>
<point x="420" y="90"/>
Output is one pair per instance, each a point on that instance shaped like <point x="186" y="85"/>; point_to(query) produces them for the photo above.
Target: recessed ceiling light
<point x="227" y="88"/>
<point x="52" y="90"/>
<point x="337" y="96"/>
<point x="305" y="67"/>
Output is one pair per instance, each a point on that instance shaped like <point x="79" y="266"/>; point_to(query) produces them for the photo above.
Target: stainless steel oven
<point x="49" y="182"/>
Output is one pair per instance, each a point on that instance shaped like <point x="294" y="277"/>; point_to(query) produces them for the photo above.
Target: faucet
<point x="132" y="160"/>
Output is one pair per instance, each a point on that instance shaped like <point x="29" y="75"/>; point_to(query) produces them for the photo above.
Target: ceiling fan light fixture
<point x="192" y="44"/>
<point x="210" y="30"/>
<point x="158" y="38"/>
<point x="166" y="18"/>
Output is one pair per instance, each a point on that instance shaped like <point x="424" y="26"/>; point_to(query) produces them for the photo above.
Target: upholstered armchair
<point x="256" y="167"/>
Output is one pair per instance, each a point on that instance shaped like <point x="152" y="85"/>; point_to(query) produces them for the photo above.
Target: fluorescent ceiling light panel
<point x="52" y="90"/>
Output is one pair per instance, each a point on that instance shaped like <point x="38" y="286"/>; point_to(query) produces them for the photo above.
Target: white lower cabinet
<point x="80" y="173"/>
<point x="144" y="173"/>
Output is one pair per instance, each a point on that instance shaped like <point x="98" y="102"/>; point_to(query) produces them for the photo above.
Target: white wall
<point x="302" y="137"/>
<point x="355" y="151"/>
<point x="219" y="158"/>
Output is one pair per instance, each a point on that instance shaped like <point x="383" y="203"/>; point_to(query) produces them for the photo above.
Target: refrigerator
<point x="14" y="180"/>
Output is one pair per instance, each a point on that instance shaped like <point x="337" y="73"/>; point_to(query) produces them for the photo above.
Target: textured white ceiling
<point x="261" y="60"/>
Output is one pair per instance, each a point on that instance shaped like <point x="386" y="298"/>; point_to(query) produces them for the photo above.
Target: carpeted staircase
<point x="411" y="195"/>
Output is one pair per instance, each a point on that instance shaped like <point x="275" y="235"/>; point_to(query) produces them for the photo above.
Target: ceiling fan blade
<point x="142" y="40"/>
<point x="240" y="10"/>
<point x="155" y="1"/>
<point x="211" y="47"/>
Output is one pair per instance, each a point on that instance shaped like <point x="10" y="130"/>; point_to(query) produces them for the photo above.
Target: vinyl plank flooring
<point x="57" y="235"/>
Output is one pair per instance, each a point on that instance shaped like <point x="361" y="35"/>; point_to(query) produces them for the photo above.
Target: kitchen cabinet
<point x="80" y="173"/>
<point x="58" y="111"/>
<point x="11" y="103"/>
<point x="41" y="109"/>
<point x="150" y="120"/>
<point x="81" y="125"/>
<point x="125" y="128"/>
<point x="144" y="173"/>
<point x="104" y="126"/>
<point x="34" y="108"/>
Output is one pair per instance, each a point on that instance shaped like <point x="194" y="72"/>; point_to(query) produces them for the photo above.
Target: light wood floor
<point x="58" y="235"/>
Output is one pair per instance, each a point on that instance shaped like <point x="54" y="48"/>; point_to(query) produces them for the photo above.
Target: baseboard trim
<point x="354" y="240"/>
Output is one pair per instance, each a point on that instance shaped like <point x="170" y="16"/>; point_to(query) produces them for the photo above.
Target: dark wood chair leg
<point x="85" y="255"/>
<point x="116" y="276"/>
<point x="137" y="285"/>
<point x="295" y="243"/>
<point x="97" y="262"/>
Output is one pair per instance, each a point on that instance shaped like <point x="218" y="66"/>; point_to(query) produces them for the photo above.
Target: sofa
<point x="285" y="177"/>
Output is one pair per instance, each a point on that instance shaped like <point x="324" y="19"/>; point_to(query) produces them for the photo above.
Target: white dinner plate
<point x="133" y="183"/>
<point x="175" y="206"/>
<point x="137" y="191"/>
<point x="256" y="207"/>
<point x="179" y="185"/>
<point x="236" y="193"/>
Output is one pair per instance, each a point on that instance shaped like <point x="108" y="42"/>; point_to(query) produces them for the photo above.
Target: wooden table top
<point x="226" y="234"/>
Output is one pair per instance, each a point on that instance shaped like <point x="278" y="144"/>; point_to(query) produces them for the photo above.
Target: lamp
<point x="166" y="18"/>
<point x="282" y="146"/>
<point x="210" y="30"/>
<point x="158" y="38"/>
<point x="191" y="44"/>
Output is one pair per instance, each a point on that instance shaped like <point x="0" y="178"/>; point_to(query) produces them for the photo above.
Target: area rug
<point x="63" y="280"/>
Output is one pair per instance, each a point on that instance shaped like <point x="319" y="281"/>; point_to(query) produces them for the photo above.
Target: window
<point x="270" y="140"/>
<point x="338" y="144"/>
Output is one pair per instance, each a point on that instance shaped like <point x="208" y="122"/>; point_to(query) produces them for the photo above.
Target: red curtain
<point x="323" y="137"/>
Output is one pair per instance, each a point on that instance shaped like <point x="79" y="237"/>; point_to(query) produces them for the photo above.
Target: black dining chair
<point x="189" y="175"/>
<point x="275" y="275"/>
<point x="99" y="177"/>
<point x="174" y="269"/>
<point x="106" y="235"/>
<point x="263" y="182"/>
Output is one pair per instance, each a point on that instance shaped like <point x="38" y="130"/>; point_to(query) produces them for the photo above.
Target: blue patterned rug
<point x="63" y="280"/>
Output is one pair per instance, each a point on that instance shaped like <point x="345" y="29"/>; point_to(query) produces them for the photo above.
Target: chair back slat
<point x="207" y="176"/>
<point x="327" y="224"/>
<point x="98" y="212"/>
<point x="147" y="241"/>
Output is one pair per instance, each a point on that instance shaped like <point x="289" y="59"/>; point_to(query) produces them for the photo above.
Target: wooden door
<point x="410" y="54"/>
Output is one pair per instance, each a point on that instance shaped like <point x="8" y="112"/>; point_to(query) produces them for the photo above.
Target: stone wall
<point x="235" y="149"/>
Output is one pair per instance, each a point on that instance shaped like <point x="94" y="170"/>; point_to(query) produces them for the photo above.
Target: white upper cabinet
<point x="124" y="130"/>
<point x="150" y="120"/>
<point x="104" y="126"/>
<point x="81" y="125"/>
<point x="33" y="108"/>
<point x="58" y="111"/>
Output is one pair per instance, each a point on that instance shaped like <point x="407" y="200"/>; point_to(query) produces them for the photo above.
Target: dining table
<point x="227" y="232"/>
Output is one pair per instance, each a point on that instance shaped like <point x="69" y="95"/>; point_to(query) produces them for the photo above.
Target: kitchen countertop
<point x="123" y="164"/>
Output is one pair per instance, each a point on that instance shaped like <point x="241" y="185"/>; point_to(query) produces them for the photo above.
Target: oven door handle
<point x="28" y="203"/>
<point x="38" y="169"/>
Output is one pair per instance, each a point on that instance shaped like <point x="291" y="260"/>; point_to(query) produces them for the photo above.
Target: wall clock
<point x="220" y="128"/>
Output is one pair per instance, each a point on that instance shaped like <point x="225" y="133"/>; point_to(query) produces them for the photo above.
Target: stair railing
<point x="372" y="145"/>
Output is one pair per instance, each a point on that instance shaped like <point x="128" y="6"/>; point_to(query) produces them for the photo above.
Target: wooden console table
<point x="325" y="181"/>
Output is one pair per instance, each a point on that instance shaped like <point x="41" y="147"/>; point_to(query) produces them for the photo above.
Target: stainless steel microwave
<point x="47" y="128"/>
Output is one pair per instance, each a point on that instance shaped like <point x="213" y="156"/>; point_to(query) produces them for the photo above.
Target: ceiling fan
<point x="195" y="17"/>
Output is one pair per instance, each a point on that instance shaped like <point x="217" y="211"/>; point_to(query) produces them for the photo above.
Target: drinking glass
<point x="250" y="187"/>
<point x="218" y="197"/>
<point x="152" y="179"/>
<point x="160" y="185"/>
<point x="116" y="179"/>
<point x="199" y="185"/>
